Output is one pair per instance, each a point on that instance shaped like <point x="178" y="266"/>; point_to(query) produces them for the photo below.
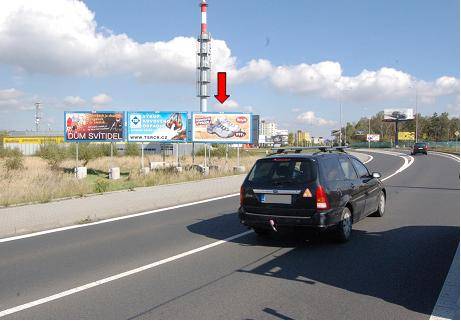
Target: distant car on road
<point x="327" y="190"/>
<point x="419" y="148"/>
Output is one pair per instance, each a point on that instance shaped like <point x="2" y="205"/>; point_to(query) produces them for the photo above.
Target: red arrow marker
<point x="222" y="96"/>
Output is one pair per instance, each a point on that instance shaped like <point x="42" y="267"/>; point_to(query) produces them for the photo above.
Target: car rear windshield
<point x="282" y="171"/>
<point x="420" y="144"/>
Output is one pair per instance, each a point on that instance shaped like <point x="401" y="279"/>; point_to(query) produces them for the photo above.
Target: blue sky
<point x="310" y="54"/>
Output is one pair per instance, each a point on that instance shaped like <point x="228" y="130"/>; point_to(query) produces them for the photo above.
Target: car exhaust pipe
<point x="272" y="223"/>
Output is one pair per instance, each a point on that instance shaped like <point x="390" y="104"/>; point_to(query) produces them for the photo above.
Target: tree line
<point x="437" y="128"/>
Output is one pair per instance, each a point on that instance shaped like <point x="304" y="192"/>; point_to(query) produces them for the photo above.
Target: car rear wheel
<point x="381" y="205"/>
<point x="344" y="228"/>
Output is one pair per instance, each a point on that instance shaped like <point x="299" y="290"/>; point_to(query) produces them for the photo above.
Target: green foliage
<point x="430" y="128"/>
<point x="88" y="151"/>
<point x="14" y="160"/>
<point x="132" y="149"/>
<point x="54" y="154"/>
<point x="101" y="185"/>
<point x="219" y="150"/>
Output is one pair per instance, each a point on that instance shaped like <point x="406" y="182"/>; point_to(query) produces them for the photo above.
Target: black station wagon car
<point x="330" y="189"/>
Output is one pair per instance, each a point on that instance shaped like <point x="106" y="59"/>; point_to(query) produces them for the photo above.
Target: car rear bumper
<point x="321" y="220"/>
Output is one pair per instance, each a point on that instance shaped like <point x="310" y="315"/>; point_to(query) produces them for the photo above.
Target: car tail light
<point x="242" y="193"/>
<point x="322" y="199"/>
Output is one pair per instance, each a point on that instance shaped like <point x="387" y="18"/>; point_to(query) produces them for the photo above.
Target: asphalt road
<point x="393" y="268"/>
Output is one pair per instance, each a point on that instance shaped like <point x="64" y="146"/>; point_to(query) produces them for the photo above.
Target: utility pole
<point x="416" y="116"/>
<point x="340" y="123"/>
<point x="369" y="131"/>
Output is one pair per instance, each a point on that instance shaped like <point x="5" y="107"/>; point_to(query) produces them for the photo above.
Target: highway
<point x="393" y="268"/>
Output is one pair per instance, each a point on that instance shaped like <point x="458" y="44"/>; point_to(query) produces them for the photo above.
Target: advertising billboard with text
<point x="233" y="128"/>
<point x="101" y="126"/>
<point x="398" y="114"/>
<point x="373" y="138"/>
<point x="162" y="126"/>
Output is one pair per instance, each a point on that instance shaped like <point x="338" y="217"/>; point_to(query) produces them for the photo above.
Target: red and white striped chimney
<point x="203" y="6"/>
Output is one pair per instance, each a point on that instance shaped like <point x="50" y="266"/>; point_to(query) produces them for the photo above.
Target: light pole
<point x="415" y="86"/>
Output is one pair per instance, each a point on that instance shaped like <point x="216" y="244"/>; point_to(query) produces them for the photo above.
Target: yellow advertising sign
<point x="33" y="140"/>
<point x="406" y="135"/>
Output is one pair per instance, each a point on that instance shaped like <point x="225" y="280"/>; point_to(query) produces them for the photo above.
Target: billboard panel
<point x="101" y="126"/>
<point x="398" y="114"/>
<point x="33" y="140"/>
<point x="406" y="135"/>
<point x="162" y="126"/>
<point x="373" y="138"/>
<point x="233" y="128"/>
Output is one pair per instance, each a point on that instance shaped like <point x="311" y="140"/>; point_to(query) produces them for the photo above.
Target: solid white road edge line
<point x="71" y="227"/>
<point x="148" y="266"/>
<point x="447" y="305"/>
<point x="117" y="276"/>
<point x="450" y="156"/>
<point x="370" y="158"/>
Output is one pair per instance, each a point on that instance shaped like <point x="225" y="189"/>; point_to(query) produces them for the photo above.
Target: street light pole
<point x="416" y="112"/>
<point x="340" y="123"/>
<point x="369" y="131"/>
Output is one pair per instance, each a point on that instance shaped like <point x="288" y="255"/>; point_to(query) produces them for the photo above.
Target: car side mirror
<point x="376" y="175"/>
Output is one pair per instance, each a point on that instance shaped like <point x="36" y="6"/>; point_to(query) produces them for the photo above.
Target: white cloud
<point x="309" y="118"/>
<point x="101" y="99"/>
<point x="231" y="105"/>
<point x="296" y="110"/>
<point x="74" y="101"/>
<point x="62" y="37"/>
<point x="10" y="99"/>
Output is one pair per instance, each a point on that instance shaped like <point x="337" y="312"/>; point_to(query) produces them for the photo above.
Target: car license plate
<point x="420" y="148"/>
<point x="275" y="199"/>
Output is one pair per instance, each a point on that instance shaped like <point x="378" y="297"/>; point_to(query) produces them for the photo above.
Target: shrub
<point x="132" y="149"/>
<point x="14" y="160"/>
<point x="101" y="185"/>
<point x="53" y="154"/>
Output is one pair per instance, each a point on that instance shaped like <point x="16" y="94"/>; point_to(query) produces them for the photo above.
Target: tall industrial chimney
<point x="203" y="60"/>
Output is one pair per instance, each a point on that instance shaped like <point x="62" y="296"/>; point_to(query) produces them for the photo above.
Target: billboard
<point x="100" y="126"/>
<point x="398" y="114"/>
<point x="33" y="140"/>
<point x="406" y="136"/>
<point x="162" y="126"/>
<point x="373" y="138"/>
<point x="234" y="128"/>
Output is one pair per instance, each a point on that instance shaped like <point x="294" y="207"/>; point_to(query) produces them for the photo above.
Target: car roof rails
<point x="296" y="150"/>
<point x="340" y="149"/>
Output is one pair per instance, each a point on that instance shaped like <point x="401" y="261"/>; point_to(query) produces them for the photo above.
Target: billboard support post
<point x="238" y="155"/>
<point x="193" y="153"/>
<point x="177" y="154"/>
<point x="227" y="152"/>
<point x="142" y="157"/>
<point x="111" y="154"/>
<point x="76" y="158"/>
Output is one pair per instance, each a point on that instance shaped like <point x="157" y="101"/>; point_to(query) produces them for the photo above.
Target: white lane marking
<point x="117" y="276"/>
<point x="370" y="158"/>
<point x="450" y="156"/>
<point x="13" y="238"/>
<point x="447" y="305"/>
<point x="408" y="161"/>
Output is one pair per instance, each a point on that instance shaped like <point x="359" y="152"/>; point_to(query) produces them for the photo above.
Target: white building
<point x="267" y="128"/>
